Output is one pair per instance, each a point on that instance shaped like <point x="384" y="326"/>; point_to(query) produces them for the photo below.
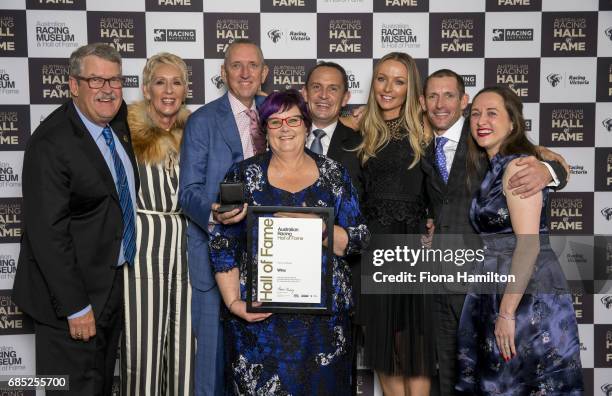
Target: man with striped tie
<point x="79" y="189"/>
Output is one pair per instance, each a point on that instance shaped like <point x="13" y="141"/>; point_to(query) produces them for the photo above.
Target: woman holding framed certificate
<point x="289" y="353"/>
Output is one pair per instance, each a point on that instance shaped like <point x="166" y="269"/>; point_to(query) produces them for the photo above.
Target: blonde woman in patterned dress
<point x="157" y="348"/>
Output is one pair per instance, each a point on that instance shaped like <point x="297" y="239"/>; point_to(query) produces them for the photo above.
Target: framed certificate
<point x="289" y="270"/>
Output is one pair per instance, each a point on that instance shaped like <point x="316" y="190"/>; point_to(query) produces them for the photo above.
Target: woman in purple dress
<point x="522" y="339"/>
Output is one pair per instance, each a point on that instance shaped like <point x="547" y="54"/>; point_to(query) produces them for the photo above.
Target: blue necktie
<point x="127" y="210"/>
<point x="316" y="146"/>
<point x="440" y="158"/>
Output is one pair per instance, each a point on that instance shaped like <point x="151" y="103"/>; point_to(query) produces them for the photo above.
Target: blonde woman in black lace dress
<point x="397" y="328"/>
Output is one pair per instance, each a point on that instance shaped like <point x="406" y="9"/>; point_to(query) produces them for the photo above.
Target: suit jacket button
<point x="445" y="202"/>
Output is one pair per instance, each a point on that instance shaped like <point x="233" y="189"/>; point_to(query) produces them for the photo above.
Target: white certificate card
<point x="289" y="260"/>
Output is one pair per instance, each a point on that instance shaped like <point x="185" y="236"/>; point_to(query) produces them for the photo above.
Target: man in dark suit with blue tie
<point x="217" y="135"/>
<point x="79" y="195"/>
<point x="444" y="100"/>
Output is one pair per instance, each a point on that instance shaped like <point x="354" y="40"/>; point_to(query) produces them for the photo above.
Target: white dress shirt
<point x="325" y="140"/>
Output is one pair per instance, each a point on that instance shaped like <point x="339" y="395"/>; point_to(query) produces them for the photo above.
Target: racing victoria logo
<point x="554" y="79"/>
<point x="275" y="35"/>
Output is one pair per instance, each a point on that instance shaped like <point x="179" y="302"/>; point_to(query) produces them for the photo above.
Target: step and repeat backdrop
<point x="555" y="54"/>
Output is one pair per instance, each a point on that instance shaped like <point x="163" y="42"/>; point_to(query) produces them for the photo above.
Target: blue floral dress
<point x="546" y="338"/>
<point x="291" y="354"/>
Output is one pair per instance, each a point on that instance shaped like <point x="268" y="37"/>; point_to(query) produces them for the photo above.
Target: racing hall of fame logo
<point x="195" y="92"/>
<point x="518" y="75"/>
<point x="124" y="31"/>
<point x="49" y="80"/>
<point x="569" y="34"/>
<point x="10" y="220"/>
<point x="286" y="74"/>
<point x="582" y="302"/>
<point x="603" y="345"/>
<point x="8" y="85"/>
<point x="603" y="257"/>
<point x="174" y="35"/>
<point x="567" y="124"/>
<point x="13" y="41"/>
<point x="288" y="5"/>
<point x="54" y="35"/>
<point x="603" y="170"/>
<point x="460" y="36"/>
<point x="14" y="127"/>
<point x="340" y="36"/>
<point x="604" y="79"/>
<point x="401" y="6"/>
<point x="514" y="5"/>
<point x="398" y="35"/>
<point x="174" y="5"/>
<point x="221" y="30"/>
<point x="512" y="34"/>
<point x="55" y="4"/>
<point x="12" y="319"/>
<point x="571" y="213"/>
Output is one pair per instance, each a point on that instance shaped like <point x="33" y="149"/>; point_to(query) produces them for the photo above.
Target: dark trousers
<point x="89" y="365"/>
<point x="448" y="312"/>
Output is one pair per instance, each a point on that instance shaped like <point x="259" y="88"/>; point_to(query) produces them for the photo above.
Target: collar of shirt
<point x="454" y="132"/>
<point x="94" y="130"/>
<point x="325" y="140"/>
<point x="237" y="106"/>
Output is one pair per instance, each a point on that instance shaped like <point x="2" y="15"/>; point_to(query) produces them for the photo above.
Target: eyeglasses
<point x="275" y="123"/>
<point x="98" y="82"/>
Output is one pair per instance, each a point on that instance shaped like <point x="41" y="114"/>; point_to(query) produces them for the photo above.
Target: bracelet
<point x="229" y="307"/>
<point x="500" y="315"/>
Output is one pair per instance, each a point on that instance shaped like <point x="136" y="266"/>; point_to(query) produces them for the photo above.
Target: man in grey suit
<point x="217" y="135"/>
<point x="444" y="100"/>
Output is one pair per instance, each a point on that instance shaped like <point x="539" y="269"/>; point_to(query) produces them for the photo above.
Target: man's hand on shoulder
<point x="531" y="178"/>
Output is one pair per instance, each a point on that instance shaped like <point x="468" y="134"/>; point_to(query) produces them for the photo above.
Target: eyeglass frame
<point x="106" y="80"/>
<point x="284" y="120"/>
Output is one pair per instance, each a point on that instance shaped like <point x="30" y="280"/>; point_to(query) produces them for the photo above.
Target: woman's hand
<point x="505" y="327"/>
<point x="232" y="217"/>
<point x="238" y="308"/>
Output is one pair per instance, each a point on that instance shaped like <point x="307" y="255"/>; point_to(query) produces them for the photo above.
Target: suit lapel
<point x="229" y="129"/>
<point x="91" y="150"/>
<point x="337" y="142"/>
<point x="121" y="129"/>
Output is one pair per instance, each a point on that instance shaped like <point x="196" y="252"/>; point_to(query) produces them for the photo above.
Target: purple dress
<point x="546" y="340"/>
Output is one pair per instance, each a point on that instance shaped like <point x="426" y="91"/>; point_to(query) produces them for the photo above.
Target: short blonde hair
<point x="163" y="58"/>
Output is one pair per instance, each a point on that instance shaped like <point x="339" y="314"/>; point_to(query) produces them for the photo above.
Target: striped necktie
<point x="127" y="210"/>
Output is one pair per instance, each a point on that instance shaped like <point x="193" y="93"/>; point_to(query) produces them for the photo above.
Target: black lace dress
<point x="397" y="328"/>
